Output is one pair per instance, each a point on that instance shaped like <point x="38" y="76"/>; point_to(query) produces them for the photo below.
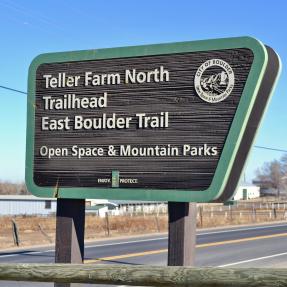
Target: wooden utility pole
<point x="70" y="228"/>
<point x="181" y="233"/>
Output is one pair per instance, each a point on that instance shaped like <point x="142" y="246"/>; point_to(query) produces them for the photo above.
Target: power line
<point x="256" y="146"/>
<point x="13" y="90"/>
<point x="270" y="148"/>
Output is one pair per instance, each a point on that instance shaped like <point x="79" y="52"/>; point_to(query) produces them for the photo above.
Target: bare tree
<point x="272" y="173"/>
<point x="13" y="188"/>
<point x="283" y="162"/>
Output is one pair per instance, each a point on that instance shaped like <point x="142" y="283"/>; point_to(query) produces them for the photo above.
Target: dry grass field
<point x="41" y="230"/>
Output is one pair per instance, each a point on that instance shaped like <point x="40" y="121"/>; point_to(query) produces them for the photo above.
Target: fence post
<point x="15" y="232"/>
<point x="157" y="223"/>
<point x="230" y="214"/>
<point x="200" y="216"/>
<point x="274" y="213"/>
<point x="254" y="219"/>
<point x="107" y="224"/>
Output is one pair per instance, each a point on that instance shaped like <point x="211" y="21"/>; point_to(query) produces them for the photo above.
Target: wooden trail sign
<point x="159" y="122"/>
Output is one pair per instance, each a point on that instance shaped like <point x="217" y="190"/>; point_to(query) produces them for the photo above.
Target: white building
<point x="26" y="205"/>
<point x="245" y="192"/>
<point x="125" y="207"/>
<point x="102" y="206"/>
<point x="32" y="205"/>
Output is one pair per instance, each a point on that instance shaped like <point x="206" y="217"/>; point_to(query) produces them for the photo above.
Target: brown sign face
<point x="160" y="121"/>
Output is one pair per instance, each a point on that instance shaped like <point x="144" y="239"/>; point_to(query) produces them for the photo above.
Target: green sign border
<point x="229" y="151"/>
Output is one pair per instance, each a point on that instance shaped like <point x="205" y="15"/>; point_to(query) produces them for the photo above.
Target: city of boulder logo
<point x="214" y="80"/>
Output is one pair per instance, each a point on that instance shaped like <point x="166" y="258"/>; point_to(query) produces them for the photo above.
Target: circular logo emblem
<point x="214" y="80"/>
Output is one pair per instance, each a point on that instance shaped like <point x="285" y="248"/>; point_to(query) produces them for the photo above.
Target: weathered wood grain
<point x="145" y="275"/>
<point x="181" y="233"/>
<point x="192" y="121"/>
<point x="70" y="229"/>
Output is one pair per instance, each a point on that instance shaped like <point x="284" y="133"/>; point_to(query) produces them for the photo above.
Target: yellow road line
<point x="241" y="240"/>
<point x="144" y="253"/>
<point x="110" y="258"/>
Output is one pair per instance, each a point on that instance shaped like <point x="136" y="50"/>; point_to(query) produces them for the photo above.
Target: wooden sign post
<point x="165" y="122"/>
<point x="181" y="233"/>
<point x="70" y="229"/>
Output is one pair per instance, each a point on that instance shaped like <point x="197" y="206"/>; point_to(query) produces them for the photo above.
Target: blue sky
<point x="29" y="28"/>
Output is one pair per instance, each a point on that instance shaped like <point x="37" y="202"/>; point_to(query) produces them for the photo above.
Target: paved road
<point x="251" y="246"/>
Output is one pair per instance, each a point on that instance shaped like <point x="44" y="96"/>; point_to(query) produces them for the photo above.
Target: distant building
<point x="102" y="206"/>
<point x="245" y="192"/>
<point x="267" y="188"/>
<point x="26" y="205"/>
<point x="124" y="207"/>
<point x="32" y="205"/>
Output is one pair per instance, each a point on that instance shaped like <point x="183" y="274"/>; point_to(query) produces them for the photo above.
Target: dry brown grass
<point x="240" y="217"/>
<point x="120" y="225"/>
<point x="96" y="227"/>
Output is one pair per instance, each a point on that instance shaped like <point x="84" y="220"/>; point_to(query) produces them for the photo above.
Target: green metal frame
<point x="232" y="142"/>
